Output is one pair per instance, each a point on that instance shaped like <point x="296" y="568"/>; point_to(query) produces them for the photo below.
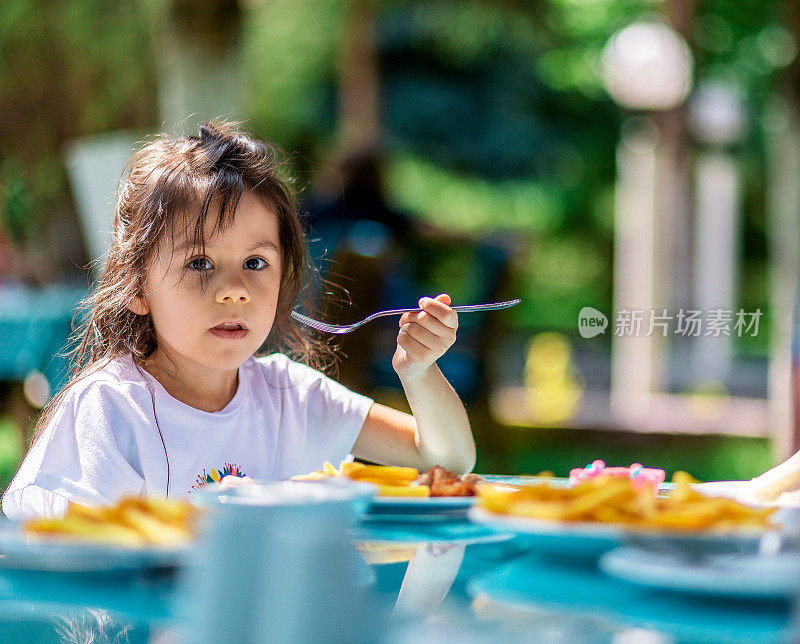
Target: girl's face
<point x="211" y="310"/>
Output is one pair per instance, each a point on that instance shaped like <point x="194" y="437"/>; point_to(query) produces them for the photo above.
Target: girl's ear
<point x="138" y="306"/>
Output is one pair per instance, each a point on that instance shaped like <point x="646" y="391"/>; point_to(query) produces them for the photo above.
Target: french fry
<point x="539" y="509"/>
<point x="614" y="491"/>
<point x="80" y="529"/>
<point x="403" y="490"/>
<point x="181" y="513"/>
<point x="152" y="529"/>
<point x="359" y="471"/>
<point x="87" y="512"/>
<point x="497" y="498"/>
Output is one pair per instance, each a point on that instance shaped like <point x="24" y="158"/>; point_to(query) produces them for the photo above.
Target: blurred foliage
<point x="495" y="119"/>
<point x="11" y="451"/>
<point x="215" y="24"/>
<point x="69" y="69"/>
<point x="469" y="203"/>
<point x="291" y="52"/>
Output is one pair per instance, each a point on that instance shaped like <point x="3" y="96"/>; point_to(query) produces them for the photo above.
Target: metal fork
<point x="347" y="328"/>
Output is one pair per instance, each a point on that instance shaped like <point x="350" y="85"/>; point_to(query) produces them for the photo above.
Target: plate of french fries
<point x="134" y="533"/>
<point x="397" y="488"/>
<point x="603" y="512"/>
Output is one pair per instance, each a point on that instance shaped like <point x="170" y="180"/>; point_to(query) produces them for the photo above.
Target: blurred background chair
<point x="35" y="324"/>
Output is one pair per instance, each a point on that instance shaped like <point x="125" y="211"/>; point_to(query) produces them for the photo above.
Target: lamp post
<point x="717" y="121"/>
<point x="781" y="127"/>
<point x="647" y="68"/>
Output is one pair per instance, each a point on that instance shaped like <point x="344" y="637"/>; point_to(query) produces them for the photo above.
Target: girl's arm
<point x="782" y="478"/>
<point x="438" y="433"/>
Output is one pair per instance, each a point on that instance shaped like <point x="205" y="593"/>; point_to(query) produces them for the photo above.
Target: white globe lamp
<point x="717" y="114"/>
<point x="647" y="66"/>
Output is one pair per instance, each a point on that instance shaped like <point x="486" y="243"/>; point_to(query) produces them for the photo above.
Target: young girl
<point x="207" y="261"/>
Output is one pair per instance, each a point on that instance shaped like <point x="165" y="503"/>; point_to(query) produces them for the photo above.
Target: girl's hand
<point x="424" y="336"/>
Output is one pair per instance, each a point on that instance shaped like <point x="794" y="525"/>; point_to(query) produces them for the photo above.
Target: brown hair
<point x="171" y="184"/>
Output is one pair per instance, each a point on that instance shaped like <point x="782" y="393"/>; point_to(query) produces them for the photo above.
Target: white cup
<point x="276" y="565"/>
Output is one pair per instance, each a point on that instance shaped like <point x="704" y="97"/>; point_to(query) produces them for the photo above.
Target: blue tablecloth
<point x="437" y="582"/>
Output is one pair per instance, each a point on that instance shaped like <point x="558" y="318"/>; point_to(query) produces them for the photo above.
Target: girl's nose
<point x="232" y="291"/>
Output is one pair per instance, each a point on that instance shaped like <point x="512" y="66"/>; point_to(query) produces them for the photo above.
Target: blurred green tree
<point x="69" y="69"/>
<point x="493" y="117"/>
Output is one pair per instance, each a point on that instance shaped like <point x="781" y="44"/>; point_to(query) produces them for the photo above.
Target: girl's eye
<point x="255" y="264"/>
<point x="199" y="264"/>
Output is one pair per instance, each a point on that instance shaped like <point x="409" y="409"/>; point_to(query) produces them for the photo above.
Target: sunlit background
<point x="620" y="155"/>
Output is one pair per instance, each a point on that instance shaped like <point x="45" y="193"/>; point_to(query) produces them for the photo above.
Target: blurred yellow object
<point x="709" y="399"/>
<point x="554" y="388"/>
<point x="316" y="475"/>
<point x="616" y="500"/>
<point x="132" y="522"/>
<point x="390" y="480"/>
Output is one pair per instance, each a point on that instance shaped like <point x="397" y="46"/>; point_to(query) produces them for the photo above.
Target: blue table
<point x="434" y="582"/>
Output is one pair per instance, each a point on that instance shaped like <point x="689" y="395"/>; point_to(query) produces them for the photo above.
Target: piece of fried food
<point x="82" y="529"/>
<point x="132" y="522"/>
<point x="388" y="475"/>
<point x="616" y="500"/>
<point x="390" y="480"/>
<point x="443" y="482"/>
<point x="401" y="481"/>
<point x="401" y="490"/>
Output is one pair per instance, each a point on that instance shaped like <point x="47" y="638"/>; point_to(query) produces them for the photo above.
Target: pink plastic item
<point x="639" y="475"/>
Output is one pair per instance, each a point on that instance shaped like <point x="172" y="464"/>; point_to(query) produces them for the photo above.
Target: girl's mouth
<point x="229" y="331"/>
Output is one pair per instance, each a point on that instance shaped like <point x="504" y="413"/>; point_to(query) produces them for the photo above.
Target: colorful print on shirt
<point x="229" y="469"/>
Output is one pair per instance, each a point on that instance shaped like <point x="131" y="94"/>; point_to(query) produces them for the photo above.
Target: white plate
<point x="575" y="539"/>
<point x="20" y="552"/>
<point x="757" y="576"/>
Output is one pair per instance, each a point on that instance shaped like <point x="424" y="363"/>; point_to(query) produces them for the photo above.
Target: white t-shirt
<point x="103" y="441"/>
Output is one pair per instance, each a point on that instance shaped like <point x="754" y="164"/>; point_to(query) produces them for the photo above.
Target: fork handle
<point x="494" y="306"/>
<point x="463" y="308"/>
